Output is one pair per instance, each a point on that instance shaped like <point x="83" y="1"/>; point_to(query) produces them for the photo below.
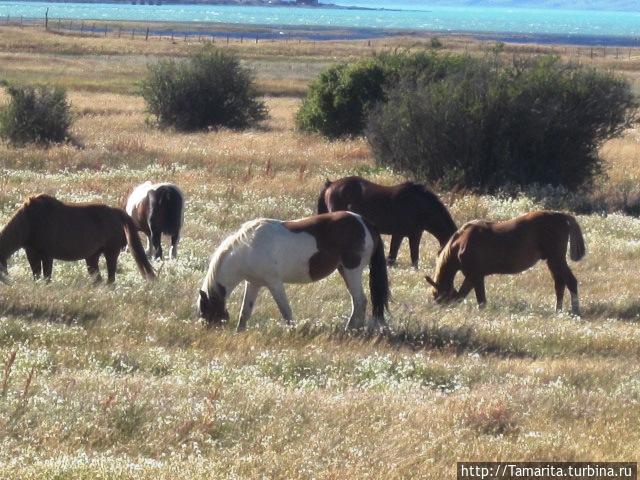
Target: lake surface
<point x="572" y="23"/>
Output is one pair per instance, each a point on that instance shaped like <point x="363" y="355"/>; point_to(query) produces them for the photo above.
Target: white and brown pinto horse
<point x="157" y="209"/>
<point x="271" y="253"/>
<point x="482" y="248"/>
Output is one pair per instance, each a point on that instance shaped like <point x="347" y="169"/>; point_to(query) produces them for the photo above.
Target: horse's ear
<point x="327" y="183"/>
<point x="203" y="296"/>
<point x="430" y="281"/>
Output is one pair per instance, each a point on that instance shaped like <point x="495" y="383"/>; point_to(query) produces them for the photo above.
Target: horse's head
<point x="441" y="293"/>
<point x="212" y="308"/>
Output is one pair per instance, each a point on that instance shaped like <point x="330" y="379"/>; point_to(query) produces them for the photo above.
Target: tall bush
<point x="488" y="125"/>
<point x="340" y="98"/>
<point x="35" y="114"/>
<point x="211" y="89"/>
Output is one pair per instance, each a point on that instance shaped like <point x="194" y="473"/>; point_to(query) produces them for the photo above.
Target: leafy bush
<point x="340" y="99"/>
<point x="486" y="125"/>
<point x="38" y="114"/>
<point x="209" y="90"/>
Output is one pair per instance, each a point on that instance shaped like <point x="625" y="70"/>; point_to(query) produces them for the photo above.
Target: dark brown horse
<point x="49" y="229"/>
<point x="482" y="248"/>
<point x="404" y="210"/>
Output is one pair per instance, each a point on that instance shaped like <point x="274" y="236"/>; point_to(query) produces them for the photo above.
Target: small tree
<point x="35" y="114"/>
<point x="489" y="125"/>
<point x="209" y="90"/>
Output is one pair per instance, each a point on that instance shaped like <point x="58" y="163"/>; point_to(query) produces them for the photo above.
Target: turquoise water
<point x="435" y="18"/>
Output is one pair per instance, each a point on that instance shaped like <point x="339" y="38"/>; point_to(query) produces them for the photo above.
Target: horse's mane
<point x="241" y="237"/>
<point x="444" y="257"/>
<point x="16" y="228"/>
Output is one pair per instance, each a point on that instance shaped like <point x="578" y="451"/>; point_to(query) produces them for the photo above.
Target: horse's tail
<point x="322" y="204"/>
<point x="135" y="245"/>
<point x="576" y="240"/>
<point x="171" y="200"/>
<point x="378" y="278"/>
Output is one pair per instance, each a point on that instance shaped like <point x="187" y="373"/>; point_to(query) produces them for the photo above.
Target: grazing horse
<point x="269" y="253"/>
<point x="157" y="209"/>
<point x="403" y="210"/>
<point x="49" y="229"/>
<point x="482" y="248"/>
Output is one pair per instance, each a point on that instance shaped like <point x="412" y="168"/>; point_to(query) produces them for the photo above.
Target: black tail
<point x="171" y="201"/>
<point x="135" y="245"/>
<point x="322" y="204"/>
<point x="378" y="278"/>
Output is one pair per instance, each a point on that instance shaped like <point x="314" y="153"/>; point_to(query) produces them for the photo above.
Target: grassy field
<point x="124" y="382"/>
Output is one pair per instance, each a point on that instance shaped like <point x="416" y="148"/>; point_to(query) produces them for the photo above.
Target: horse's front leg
<point x="280" y="296"/>
<point x="35" y="262"/>
<point x="173" y="251"/>
<point x="251" y="291"/>
<point x="396" y="240"/>
<point x="465" y="288"/>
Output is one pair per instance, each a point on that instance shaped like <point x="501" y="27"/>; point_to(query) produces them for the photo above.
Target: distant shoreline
<point x="334" y="33"/>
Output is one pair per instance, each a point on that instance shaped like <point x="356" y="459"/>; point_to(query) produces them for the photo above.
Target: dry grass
<point x="124" y="382"/>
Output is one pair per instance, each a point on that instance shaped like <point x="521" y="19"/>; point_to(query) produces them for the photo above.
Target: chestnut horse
<point x="403" y="210"/>
<point x="482" y="248"/>
<point x="270" y="253"/>
<point x="156" y="210"/>
<point x="49" y="229"/>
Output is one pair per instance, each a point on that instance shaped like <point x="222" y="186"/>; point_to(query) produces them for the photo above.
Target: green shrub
<point x="340" y="99"/>
<point x="487" y="125"/>
<point x="35" y="114"/>
<point x="209" y="90"/>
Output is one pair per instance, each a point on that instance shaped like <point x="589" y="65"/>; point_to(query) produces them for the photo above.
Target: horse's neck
<point x="448" y="270"/>
<point x="227" y="275"/>
<point x="13" y="235"/>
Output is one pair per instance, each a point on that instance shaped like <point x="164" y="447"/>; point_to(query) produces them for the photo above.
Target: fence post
<point x="227" y="39"/>
<point x="106" y="29"/>
<point x="46" y="19"/>
<point x="146" y="36"/>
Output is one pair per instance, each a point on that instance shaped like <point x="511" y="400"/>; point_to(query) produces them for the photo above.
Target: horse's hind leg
<point x="250" y="294"/>
<point x="280" y="296"/>
<point x="173" y="252"/>
<point x="396" y="240"/>
<point x="414" y="248"/>
<point x="93" y="269"/>
<point x="559" y="283"/>
<point x="35" y="261"/>
<point x="111" y="257"/>
<point x="156" y="242"/>
<point x="353" y="280"/>
<point x="570" y="281"/>
<point x="47" y="267"/>
<point x="478" y="285"/>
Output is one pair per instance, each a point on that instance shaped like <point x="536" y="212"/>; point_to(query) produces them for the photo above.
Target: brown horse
<point x="482" y="248"/>
<point x="49" y="229"/>
<point x="403" y="210"/>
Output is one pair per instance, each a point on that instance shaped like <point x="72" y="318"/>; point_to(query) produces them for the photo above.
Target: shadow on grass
<point x="47" y="314"/>
<point x="629" y="311"/>
<point x="458" y="340"/>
